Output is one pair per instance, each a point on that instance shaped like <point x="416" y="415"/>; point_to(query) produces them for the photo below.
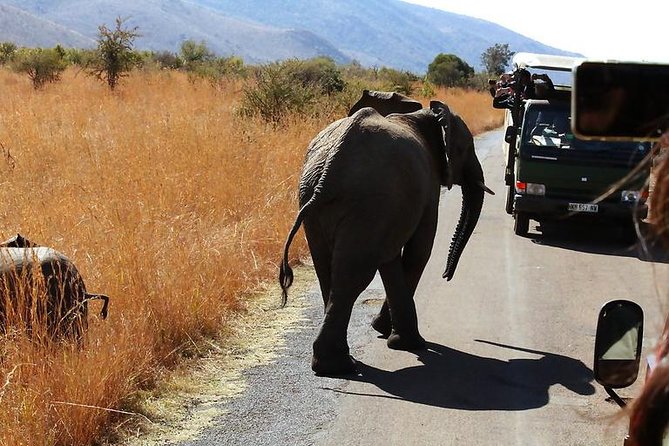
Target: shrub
<point x="398" y="81"/>
<point x="7" y="51"/>
<point x="194" y="54"/>
<point x="42" y="65"/>
<point x="114" y="55"/>
<point x="448" y="70"/>
<point x="167" y="60"/>
<point x="78" y="56"/>
<point x="292" y="86"/>
<point x="275" y="94"/>
<point x="320" y="73"/>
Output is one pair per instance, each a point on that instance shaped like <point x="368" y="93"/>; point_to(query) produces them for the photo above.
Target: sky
<point x="630" y="31"/>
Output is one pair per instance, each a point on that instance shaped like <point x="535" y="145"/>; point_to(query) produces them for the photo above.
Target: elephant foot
<point x="333" y="366"/>
<point x="382" y="324"/>
<point x="406" y="342"/>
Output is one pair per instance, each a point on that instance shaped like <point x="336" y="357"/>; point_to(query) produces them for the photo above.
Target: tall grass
<point x="167" y="202"/>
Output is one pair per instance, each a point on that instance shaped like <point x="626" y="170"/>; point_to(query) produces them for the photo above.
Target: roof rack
<point x="545" y="61"/>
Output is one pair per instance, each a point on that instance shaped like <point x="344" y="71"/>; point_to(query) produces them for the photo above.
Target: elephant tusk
<point x="486" y="188"/>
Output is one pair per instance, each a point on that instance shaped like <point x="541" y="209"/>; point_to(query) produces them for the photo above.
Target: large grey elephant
<point x="369" y="197"/>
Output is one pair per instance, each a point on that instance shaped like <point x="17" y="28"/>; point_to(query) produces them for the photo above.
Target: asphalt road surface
<point x="510" y="345"/>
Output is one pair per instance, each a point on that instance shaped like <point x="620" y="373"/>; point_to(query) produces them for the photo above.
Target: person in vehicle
<point x="520" y="83"/>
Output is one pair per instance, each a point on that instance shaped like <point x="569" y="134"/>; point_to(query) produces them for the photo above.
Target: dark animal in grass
<point x="369" y="198"/>
<point x="42" y="292"/>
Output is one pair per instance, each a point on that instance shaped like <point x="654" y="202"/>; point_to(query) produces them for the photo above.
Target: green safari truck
<point x="552" y="175"/>
<point x="558" y="175"/>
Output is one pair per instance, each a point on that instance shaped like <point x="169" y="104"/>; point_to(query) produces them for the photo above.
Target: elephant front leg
<point x="399" y="296"/>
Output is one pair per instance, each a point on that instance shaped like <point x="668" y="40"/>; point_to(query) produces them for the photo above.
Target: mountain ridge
<point x="375" y="32"/>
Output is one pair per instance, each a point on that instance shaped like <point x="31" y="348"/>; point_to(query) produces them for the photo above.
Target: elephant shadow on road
<point x="453" y="379"/>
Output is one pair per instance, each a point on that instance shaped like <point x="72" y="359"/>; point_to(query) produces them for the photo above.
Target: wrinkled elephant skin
<point x="369" y="198"/>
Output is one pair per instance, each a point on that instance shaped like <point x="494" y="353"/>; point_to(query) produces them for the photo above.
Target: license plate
<point x="583" y="207"/>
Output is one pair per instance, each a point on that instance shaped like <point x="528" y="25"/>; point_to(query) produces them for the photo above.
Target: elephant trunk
<point x="472" y="203"/>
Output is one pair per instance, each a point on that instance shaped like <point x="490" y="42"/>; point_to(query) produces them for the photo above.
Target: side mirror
<point x="618" y="344"/>
<point x="510" y="134"/>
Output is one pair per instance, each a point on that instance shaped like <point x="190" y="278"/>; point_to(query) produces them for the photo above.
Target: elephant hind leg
<point x="382" y="322"/>
<point x="399" y="295"/>
<point x="321" y="255"/>
<point x="331" y="352"/>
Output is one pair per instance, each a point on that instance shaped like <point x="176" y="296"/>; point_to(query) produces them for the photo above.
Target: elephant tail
<point x="105" y="305"/>
<point x="285" y="271"/>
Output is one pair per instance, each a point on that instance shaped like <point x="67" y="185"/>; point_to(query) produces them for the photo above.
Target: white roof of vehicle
<point x="545" y="61"/>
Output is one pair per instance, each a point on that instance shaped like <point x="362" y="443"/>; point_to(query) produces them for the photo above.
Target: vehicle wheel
<point x="521" y="224"/>
<point x="510" y="193"/>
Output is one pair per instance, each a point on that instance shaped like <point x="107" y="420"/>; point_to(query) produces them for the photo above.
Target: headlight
<point x="630" y="196"/>
<point x="536" y="189"/>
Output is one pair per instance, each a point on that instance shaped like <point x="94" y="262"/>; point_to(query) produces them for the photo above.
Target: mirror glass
<point x="613" y="100"/>
<point x="618" y="343"/>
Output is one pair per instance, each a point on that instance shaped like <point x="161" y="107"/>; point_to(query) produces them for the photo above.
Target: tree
<point x="42" y="65"/>
<point x="7" y="51"/>
<point x="496" y="58"/>
<point x="195" y="54"/>
<point x="114" y="55"/>
<point x="449" y="70"/>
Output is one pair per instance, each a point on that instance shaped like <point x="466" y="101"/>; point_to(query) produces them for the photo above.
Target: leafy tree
<point x="167" y="59"/>
<point x="7" y="51"/>
<point x="42" y="65"/>
<point x="496" y="58"/>
<point x="449" y="70"/>
<point x="320" y="73"/>
<point x="195" y="54"/>
<point x="114" y="54"/>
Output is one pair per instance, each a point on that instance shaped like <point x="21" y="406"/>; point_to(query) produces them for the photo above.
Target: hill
<point x="375" y="32"/>
<point x="21" y="27"/>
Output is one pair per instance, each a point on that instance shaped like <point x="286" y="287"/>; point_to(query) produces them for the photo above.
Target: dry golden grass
<point x="166" y="202"/>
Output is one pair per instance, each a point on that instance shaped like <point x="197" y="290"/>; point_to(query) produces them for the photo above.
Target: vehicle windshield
<point x="550" y="127"/>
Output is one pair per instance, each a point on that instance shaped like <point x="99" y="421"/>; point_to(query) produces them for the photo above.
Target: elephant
<point x="385" y="103"/>
<point x="369" y="197"/>
<point x="55" y="299"/>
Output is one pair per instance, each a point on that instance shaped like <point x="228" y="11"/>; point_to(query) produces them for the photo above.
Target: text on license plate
<point x="583" y="207"/>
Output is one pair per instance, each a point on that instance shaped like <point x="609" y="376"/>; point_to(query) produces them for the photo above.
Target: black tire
<point x="510" y="193"/>
<point x="521" y="224"/>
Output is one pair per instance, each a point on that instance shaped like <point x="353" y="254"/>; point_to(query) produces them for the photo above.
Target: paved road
<point x="510" y="346"/>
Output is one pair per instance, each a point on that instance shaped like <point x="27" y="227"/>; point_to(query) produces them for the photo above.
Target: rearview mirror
<point x="618" y="344"/>
<point x="510" y="134"/>
<point x="620" y="101"/>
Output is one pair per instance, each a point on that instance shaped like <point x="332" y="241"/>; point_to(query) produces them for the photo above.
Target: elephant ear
<point x="444" y="116"/>
<point x="385" y="103"/>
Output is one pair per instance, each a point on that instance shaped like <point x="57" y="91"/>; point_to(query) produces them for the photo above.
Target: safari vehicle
<point x="551" y="174"/>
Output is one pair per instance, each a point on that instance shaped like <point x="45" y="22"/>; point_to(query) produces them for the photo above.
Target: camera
<point x="620" y="100"/>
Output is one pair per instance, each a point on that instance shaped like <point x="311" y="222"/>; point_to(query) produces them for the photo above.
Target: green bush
<point x="42" y="65"/>
<point x="449" y="70"/>
<point x="7" y="52"/>
<point x="114" y="56"/>
<point x="293" y="86"/>
<point x="397" y="81"/>
<point x="167" y="60"/>
<point x="320" y="73"/>
<point x="275" y="94"/>
<point x="217" y="69"/>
